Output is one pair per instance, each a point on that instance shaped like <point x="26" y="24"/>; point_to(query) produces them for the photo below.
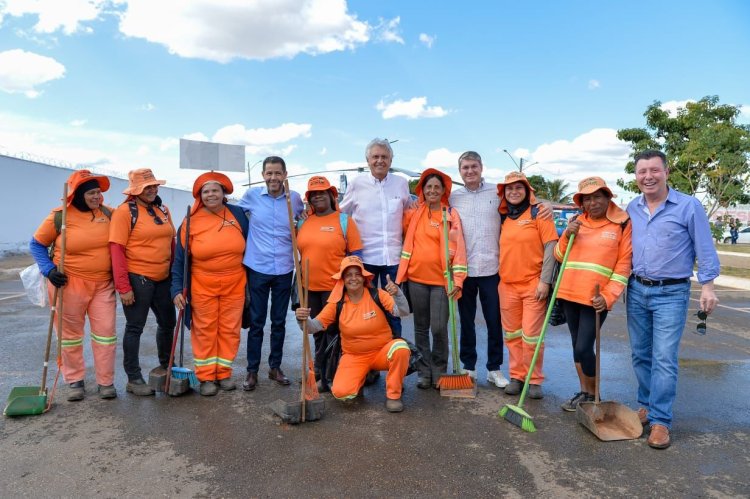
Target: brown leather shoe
<point x="277" y="375"/>
<point x="659" y="438"/>
<point x="250" y="382"/>
<point x="643" y="416"/>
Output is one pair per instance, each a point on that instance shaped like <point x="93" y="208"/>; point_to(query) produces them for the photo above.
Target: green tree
<point x="707" y="150"/>
<point x="539" y="184"/>
<point x="556" y="191"/>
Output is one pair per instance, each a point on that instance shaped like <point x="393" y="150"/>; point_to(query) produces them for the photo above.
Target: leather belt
<point x="664" y="282"/>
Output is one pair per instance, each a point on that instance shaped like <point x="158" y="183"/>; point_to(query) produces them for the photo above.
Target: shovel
<point x="609" y="420"/>
<point x="32" y="400"/>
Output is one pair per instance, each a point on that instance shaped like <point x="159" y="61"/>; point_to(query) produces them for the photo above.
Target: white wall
<point x="30" y="190"/>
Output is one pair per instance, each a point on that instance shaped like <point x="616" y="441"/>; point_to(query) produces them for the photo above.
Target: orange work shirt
<point x="216" y="243"/>
<point x="321" y="240"/>
<point x="425" y="265"/>
<point x="86" y="243"/>
<point x="363" y="326"/>
<point x="148" y="247"/>
<point x="522" y="247"/>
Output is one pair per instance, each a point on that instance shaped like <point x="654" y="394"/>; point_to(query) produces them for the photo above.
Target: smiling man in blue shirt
<point x="268" y="257"/>
<point x="670" y="230"/>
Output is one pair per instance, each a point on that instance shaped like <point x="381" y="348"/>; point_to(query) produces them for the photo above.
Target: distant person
<point x="215" y="280"/>
<point x="270" y="262"/>
<point x="734" y="229"/>
<point x="86" y="283"/>
<point x="141" y="238"/>
<point x="670" y="230"/>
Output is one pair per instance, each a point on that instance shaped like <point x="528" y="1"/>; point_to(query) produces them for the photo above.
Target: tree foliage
<point x="555" y="191"/>
<point x="706" y="149"/>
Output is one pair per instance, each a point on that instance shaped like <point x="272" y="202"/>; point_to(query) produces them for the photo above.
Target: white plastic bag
<point x="35" y="285"/>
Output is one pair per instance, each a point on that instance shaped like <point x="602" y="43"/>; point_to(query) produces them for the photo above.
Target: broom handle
<point x="540" y="341"/>
<point x="598" y="324"/>
<point x="61" y="269"/>
<point x="185" y="281"/>
<point x="451" y="301"/>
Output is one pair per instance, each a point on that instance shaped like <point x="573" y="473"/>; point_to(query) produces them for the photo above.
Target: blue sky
<point x="115" y="84"/>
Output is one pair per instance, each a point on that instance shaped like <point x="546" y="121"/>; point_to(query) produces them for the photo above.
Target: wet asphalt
<point x="232" y="445"/>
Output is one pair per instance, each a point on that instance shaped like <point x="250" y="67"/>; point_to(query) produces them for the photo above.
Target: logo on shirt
<point x="327" y="228"/>
<point x="368" y="315"/>
<point x="609" y="235"/>
<point x="523" y="222"/>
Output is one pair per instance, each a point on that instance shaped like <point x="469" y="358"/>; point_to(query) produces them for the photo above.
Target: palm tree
<point x="556" y="191"/>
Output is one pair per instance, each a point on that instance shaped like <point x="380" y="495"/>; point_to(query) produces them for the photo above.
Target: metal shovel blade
<point x="617" y="422"/>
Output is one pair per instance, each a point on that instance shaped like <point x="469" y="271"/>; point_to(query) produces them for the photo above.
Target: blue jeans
<point x="656" y="320"/>
<point x="380" y="272"/>
<point x="279" y="287"/>
<point x="486" y="286"/>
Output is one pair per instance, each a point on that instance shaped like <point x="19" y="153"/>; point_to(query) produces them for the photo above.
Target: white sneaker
<point x="497" y="379"/>
<point x="472" y="374"/>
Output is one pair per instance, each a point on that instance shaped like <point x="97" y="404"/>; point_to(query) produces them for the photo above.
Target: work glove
<point x="58" y="279"/>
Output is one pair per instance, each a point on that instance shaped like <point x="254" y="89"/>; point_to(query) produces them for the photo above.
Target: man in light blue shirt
<point x="268" y="256"/>
<point x="670" y="230"/>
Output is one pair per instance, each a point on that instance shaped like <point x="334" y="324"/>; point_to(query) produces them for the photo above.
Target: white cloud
<point x="238" y="134"/>
<point x="261" y="30"/>
<point x="673" y="105"/>
<point x="427" y="40"/>
<point x="345" y="165"/>
<point x="21" y="72"/>
<point x="196" y="136"/>
<point x="441" y="158"/>
<point x="744" y="116"/>
<point x="54" y="15"/>
<point x="388" y="31"/>
<point x="148" y="107"/>
<point x="78" y="122"/>
<point x="414" y="108"/>
<point x="594" y="84"/>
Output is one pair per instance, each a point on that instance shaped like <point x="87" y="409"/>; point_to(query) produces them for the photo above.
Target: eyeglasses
<point x="157" y="220"/>
<point x="701" y="327"/>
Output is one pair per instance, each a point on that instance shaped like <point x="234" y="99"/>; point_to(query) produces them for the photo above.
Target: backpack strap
<point x="344" y="222"/>
<point x="133" y="214"/>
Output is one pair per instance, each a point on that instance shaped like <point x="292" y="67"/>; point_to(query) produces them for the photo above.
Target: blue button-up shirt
<point x="667" y="242"/>
<point x="269" y="243"/>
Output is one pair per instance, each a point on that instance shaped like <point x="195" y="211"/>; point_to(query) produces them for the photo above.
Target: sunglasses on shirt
<point x="700" y="329"/>
<point x="152" y="213"/>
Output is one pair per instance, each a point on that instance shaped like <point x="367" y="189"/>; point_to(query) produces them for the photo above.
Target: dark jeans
<point x="380" y="272"/>
<point x="317" y="301"/>
<point x="486" y="286"/>
<point x="581" y="321"/>
<point x="153" y="295"/>
<point x="279" y="287"/>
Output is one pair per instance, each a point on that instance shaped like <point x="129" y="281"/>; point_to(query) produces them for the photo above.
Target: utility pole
<point x="521" y="163"/>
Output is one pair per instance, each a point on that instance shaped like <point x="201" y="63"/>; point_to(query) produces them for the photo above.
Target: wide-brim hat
<point x="320" y="183"/>
<point x="590" y="185"/>
<point x="447" y="183"/>
<point x="352" y="261"/>
<point x="80" y="177"/>
<point x="512" y="178"/>
<point x="140" y="179"/>
<point x="209" y="177"/>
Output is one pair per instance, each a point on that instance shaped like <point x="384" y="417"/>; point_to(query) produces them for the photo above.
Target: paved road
<point x="231" y="445"/>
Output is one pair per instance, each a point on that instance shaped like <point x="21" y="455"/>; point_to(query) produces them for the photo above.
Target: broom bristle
<point x="519" y="417"/>
<point x="185" y="373"/>
<point x="311" y="386"/>
<point x="455" y="382"/>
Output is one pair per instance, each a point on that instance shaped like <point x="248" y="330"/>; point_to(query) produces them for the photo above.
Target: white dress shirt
<point x="377" y="207"/>
<point x="481" y="223"/>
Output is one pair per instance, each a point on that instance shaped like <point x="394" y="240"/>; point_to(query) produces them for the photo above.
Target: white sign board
<point x="197" y="155"/>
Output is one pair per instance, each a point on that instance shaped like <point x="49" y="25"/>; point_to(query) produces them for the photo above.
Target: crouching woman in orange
<point x="527" y="245"/>
<point x="86" y="285"/>
<point x="367" y="342"/>
<point x="215" y="237"/>
<point x="423" y="265"/>
<point x="601" y="255"/>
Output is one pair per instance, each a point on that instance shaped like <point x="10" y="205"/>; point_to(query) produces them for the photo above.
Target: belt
<point x="664" y="282"/>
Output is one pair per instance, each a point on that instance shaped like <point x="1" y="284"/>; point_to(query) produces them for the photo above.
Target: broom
<point x="515" y="413"/>
<point x="308" y="380"/>
<point x="179" y="371"/>
<point x="459" y="380"/>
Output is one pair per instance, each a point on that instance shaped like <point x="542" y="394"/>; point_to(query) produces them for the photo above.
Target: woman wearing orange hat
<point x="600" y="256"/>
<point x="423" y="265"/>
<point x="87" y="282"/>
<point x="527" y="245"/>
<point x="141" y="241"/>
<point x="216" y="277"/>
<point x="366" y="338"/>
<point x="324" y="237"/>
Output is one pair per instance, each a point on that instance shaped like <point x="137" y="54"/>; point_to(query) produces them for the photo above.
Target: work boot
<point x="107" y="391"/>
<point x="394" y="405"/>
<point x="227" y="384"/>
<point x="514" y="387"/>
<point x="535" y="391"/>
<point x="76" y="392"/>
<point x="497" y="379"/>
<point x="139" y="387"/>
<point x="572" y="404"/>
<point x="208" y="388"/>
<point x="251" y="381"/>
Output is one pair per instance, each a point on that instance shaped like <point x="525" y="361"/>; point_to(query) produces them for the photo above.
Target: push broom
<point x="515" y="413"/>
<point x="180" y="371"/>
<point x="459" y="380"/>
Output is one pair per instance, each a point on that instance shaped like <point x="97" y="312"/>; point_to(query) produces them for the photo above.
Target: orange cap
<point x="319" y="183"/>
<point x="140" y="179"/>
<point x="79" y="177"/>
<point x="589" y="186"/>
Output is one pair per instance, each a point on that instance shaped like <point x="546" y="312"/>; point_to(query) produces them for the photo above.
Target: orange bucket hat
<point x="338" y="288"/>
<point x="589" y="186"/>
<point x="511" y="178"/>
<point x="447" y="183"/>
<point x="140" y="179"/>
<point x="320" y="183"/>
<point x="207" y="177"/>
<point x="79" y="177"/>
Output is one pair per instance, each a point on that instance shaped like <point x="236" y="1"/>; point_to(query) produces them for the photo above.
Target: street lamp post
<point x="521" y="163"/>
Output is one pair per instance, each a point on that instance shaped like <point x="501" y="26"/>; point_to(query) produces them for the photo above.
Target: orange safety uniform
<point x="89" y="291"/>
<point x="217" y="290"/>
<point x="522" y="315"/>
<point x="367" y="344"/>
<point x="601" y="255"/>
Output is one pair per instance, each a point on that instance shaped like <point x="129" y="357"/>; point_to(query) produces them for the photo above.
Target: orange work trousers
<point x="96" y="299"/>
<point x="522" y="317"/>
<point x="353" y="368"/>
<point x="216" y="302"/>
